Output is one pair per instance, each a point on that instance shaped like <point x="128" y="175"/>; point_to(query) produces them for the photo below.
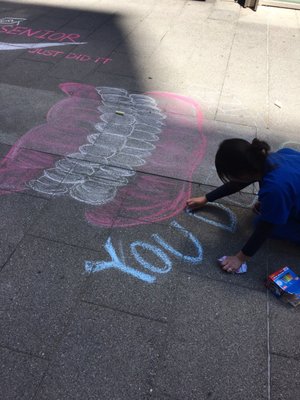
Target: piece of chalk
<point x="120" y="112"/>
<point x="241" y="270"/>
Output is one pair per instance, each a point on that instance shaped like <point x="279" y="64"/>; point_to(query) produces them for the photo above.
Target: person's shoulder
<point x="287" y="150"/>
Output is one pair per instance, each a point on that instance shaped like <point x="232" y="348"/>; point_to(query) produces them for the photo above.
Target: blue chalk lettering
<point x="231" y="227"/>
<point x="115" y="262"/>
<point x="187" y="234"/>
<point x="154" y="249"/>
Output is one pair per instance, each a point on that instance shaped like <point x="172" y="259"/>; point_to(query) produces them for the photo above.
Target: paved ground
<point x="108" y="289"/>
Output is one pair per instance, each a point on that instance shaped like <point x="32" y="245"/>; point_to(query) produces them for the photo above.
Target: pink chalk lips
<point x="100" y="151"/>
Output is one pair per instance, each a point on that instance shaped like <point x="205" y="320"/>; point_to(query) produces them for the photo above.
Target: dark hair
<point x="238" y="157"/>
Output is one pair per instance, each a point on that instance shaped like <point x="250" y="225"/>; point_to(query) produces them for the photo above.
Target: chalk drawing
<point x="101" y="150"/>
<point x="118" y="261"/>
<point x="157" y="251"/>
<point x="10" y="21"/>
<point x="39" y="34"/>
<point x="231" y="226"/>
<point x="96" y="266"/>
<point x="24" y="46"/>
<point x="115" y="141"/>
<point x="193" y="260"/>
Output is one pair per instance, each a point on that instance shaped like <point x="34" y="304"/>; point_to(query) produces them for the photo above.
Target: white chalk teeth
<point x="121" y="142"/>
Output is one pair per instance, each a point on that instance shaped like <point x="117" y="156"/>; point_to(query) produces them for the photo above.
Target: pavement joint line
<point x="164" y="345"/>
<point x="2" y="268"/>
<point x="118" y="310"/>
<point x="278" y="354"/>
<point x="25" y="353"/>
<point x="268" y="73"/>
<point x="56" y="345"/>
<point x="227" y="65"/>
<point x="63" y="242"/>
<point x="205" y="277"/>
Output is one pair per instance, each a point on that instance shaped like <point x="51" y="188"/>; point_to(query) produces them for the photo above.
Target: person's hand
<point x="196" y="202"/>
<point x="231" y="264"/>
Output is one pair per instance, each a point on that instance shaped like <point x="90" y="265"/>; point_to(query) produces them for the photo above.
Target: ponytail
<point x="238" y="157"/>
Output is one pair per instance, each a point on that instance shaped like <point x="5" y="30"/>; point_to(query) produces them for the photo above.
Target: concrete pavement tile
<point x="194" y="11"/>
<point x="17" y="213"/>
<point x="8" y="58"/>
<point x="284" y="44"/>
<point x="65" y="220"/>
<point x="38" y="290"/>
<point x="224" y="15"/>
<point x="282" y="18"/>
<point x="283" y="249"/>
<point x="284" y="84"/>
<point x="104" y="354"/>
<point x="102" y="287"/>
<point x="284" y="378"/>
<point x="110" y="35"/>
<point x="4" y="149"/>
<point x="120" y="63"/>
<point x="23" y="72"/>
<point x="246" y="81"/>
<point x="20" y="374"/>
<point x="216" y="344"/>
<point x="89" y="20"/>
<point x="146" y="36"/>
<point x="23" y="109"/>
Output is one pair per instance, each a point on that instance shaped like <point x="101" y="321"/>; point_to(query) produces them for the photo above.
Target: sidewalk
<point x="111" y="115"/>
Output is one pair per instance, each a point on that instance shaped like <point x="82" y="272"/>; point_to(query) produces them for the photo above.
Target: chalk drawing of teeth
<point x="96" y="139"/>
<point x="25" y="46"/>
<point x="11" y="21"/>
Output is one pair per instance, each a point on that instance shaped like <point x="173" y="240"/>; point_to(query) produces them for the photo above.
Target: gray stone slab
<point x="25" y="108"/>
<point x="17" y="213"/>
<point x="4" y="149"/>
<point x="245" y="82"/>
<point x="284" y="378"/>
<point x="20" y="374"/>
<point x="105" y="354"/>
<point x="216" y="344"/>
<point x="68" y="221"/>
<point x="39" y="288"/>
<point x="24" y="72"/>
<point x="89" y="20"/>
<point x="284" y="82"/>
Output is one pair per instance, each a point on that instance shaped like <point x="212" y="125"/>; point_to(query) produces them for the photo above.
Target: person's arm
<point x="260" y="234"/>
<point x="262" y="231"/>
<point x="226" y="190"/>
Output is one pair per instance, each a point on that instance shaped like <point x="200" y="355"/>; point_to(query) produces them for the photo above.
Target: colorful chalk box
<point x="285" y="284"/>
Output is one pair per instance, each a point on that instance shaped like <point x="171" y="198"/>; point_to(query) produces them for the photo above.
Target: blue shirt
<point x="279" y="192"/>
